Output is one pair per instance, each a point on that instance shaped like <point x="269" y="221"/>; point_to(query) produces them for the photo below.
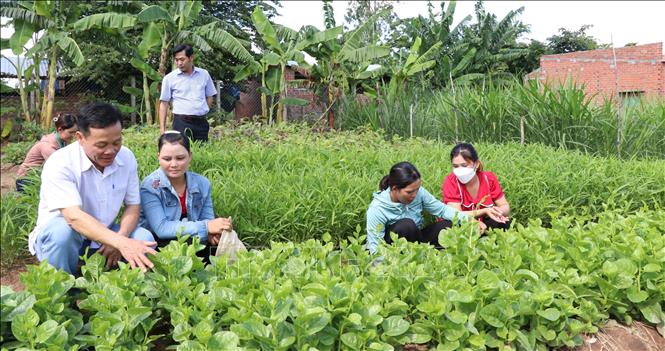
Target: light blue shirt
<point x="188" y="92"/>
<point x="383" y="212"/>
<point x="160" y="206"/>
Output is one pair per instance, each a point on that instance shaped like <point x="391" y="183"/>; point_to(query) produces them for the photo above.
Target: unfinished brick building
<point x="250" y="101"/>
<point x="640" y="71"/>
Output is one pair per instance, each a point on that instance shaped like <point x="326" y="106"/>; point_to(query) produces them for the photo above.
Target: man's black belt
<point x="188" y="117"/>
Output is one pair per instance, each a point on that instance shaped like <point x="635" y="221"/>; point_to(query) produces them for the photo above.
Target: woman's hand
<point x="495" y="214"/>
<point x="482" y="226"/>
<point x="213" y="239"/>
<point x="218" y="225"/>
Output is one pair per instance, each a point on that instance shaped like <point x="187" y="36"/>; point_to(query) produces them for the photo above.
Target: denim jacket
<point x="160" y="206"/>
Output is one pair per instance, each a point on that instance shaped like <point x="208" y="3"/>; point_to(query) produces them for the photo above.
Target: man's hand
<point x="134" y="251"/>
<point x="112" y="255"/>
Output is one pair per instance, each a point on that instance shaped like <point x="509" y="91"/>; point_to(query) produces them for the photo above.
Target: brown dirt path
<point x="9" y="275"/>
<point x="8" y="178"/>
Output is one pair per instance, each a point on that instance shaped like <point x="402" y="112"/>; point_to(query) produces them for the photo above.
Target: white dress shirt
<point x="70" y="179"/>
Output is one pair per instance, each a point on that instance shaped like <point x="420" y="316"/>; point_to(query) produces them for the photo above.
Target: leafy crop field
<point x="588" y="245"/>
<point x="530" y="288"/>
<point x="290" y="184"/>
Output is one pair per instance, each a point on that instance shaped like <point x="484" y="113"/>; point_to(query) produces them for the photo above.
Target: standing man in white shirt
<point x="84" y="185"/>
<point x="191" y="89"/>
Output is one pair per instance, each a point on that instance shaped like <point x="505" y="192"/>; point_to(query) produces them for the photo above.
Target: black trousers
<point x="407" y="228"/>
<point x="194" y="127"/>
<point x="21" y="183"/>
<point x="492" y="224"/>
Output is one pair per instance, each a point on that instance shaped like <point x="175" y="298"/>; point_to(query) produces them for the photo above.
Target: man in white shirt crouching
<point x="84" y="185"/>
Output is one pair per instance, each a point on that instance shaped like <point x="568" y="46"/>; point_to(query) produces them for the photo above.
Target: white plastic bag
<point x="230" y="245"/>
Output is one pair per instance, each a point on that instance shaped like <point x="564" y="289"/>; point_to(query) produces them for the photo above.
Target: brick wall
<point x="640" y="68"/>
<point x="249" y="104"/>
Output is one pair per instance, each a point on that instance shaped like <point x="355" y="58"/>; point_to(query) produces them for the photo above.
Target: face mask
<point x="464" y="174"/>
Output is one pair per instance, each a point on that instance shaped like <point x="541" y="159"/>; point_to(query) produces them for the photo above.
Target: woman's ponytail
<point x="384" y="183"/>
<point x="401" y="175"/>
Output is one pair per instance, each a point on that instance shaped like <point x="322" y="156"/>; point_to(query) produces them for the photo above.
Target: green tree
<point x="569" y="41"/>
<point x="360" y="11"/>
<point x="342" y="63"/>
<point x="531" y="60"/>
<point x="236" y="18"/>
<point x="493" y="43"/>
<point x="437" y="28"/>
<point x="282" y="45"/>
<point x="59" y="20"/>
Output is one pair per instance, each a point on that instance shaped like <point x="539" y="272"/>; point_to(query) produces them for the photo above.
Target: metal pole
<point x="411" y="120"/>
<point x="133" y="100"/>
<point x="219" y="96"/>
<point x="619" y="108"/>
<point x="452" y="86"/>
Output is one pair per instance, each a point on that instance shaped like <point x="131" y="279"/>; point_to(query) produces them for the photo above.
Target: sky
<point x="619" y="21"/>
<point x="623" y="21"/>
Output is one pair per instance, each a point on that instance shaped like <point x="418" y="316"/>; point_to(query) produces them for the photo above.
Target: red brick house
<point x="640" y="71"/>
<point x="249" y="104"/>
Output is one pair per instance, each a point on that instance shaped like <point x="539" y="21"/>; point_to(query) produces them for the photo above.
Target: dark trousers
<point x="407" y="228"/>
<point x="492" y="224"/>
<point x="194" y="127"/>
<point x="21" y="183"/>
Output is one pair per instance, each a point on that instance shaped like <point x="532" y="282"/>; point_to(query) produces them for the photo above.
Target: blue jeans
<point x="60" y="244"/>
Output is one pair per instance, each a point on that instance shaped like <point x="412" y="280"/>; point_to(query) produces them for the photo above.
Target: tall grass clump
<point x="496" y="113"/>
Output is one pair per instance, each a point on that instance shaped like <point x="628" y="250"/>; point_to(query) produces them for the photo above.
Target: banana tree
<point x="343" y="62"/>
<point x="415" y="64"/>
<point x="21" y="71"/>
<point x="59" y="20"/>
<point x="170" y="22"/>
<point x="282" y="45"/>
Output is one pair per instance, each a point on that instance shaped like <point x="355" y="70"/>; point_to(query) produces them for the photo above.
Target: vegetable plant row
<point x="530" y="288"/>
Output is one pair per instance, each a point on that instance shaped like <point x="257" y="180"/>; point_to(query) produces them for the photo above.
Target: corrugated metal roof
<point x="8" y="63"/>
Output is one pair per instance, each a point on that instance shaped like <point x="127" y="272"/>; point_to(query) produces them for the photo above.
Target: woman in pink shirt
<point x="469" y="188"/>
<point x="65" y="128"/>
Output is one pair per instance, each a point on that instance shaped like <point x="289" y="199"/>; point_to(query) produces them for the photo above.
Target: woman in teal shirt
<point x="397" y="207"/>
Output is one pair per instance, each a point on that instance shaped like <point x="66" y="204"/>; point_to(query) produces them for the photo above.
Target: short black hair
<point x="97" y="115"/>
<point x="189" y="50"/>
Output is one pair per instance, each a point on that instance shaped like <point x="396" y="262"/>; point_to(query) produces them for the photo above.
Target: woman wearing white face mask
<point x="469" y="188"/>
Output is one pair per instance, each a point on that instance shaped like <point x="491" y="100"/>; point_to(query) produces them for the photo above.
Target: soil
<point x="618" y="337"/>
<point x="8" y="178"/>
<point x="10" y="275"/>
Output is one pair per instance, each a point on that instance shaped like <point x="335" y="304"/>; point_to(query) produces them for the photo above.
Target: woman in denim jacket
<point x="175" y="200"/>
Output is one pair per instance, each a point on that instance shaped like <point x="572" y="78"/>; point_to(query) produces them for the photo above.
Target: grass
<point x="560" y="117"/>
